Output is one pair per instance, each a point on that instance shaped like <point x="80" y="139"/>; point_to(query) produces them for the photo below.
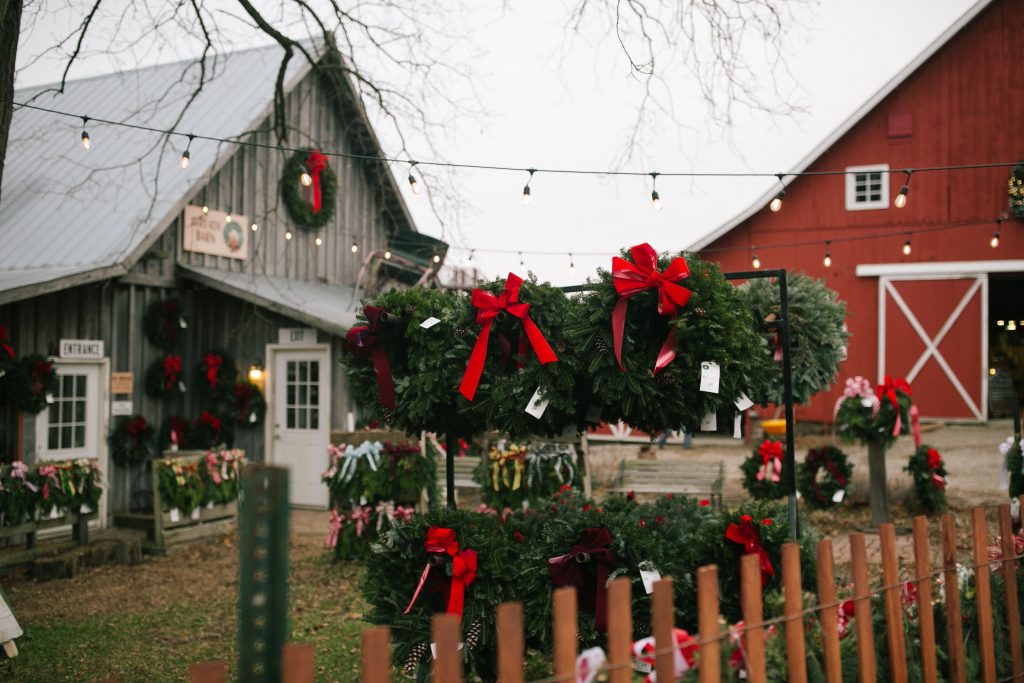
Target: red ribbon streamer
<point x="934" y="462"/>
<point x="747" y="535"/>
<point x="213" y="362"/>
<point x="771" y="460"/>
<point x="442" y="541"/>
<point x="488" y="307"/>
<point x="7" y="348"/>
<point x="567" y="570"/>
<point x="315" y="163"/>
<point x="640" y="275"/>
<point x="172" y="366"/>
<point x="364" y="340"/>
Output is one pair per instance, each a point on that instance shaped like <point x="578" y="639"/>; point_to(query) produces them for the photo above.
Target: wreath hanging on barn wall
<point x="310" y="206"/>
<point x="1015" y="190"/>
<point x="164" y="323"/>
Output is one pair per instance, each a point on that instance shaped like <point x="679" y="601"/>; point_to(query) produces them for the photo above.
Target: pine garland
<point x="928" y="472"/>
<point x="130" y="440"/>
<point x="163" y="323"/>
<point x="825" y="472"/>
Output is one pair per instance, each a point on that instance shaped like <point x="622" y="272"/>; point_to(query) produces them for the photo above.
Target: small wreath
<point x="165" y="377"/>
<point x="762" y="472"/>
<point x="174" y="431"/>
<point x="1015" y="191"/>
<point x="214" y="380"/>
<point x="293" y="192"/>
<point x="31" y="383"/>
<point x="250" y="405"/>
<point x="838" y="472"/>
<point x="209" y="431"/>
<point x="130" y="440"/>
<point x="163" y="322"/>
<point x="928" y="472"/>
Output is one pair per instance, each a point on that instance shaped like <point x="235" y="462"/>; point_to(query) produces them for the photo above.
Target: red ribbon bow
<point x="567" y="570"/>
<point x="934" y="462"/>
<point x="746" y="534"/>
<point x="364" y="340"/>
<point x="208" y="418"/>
<point x="488" y="307"/>
<point x="771" y="460"/>
<point x="642" y="274"/>
<point x="213" y="363"/>
<point x="172" y="366"/>
<point x="442" y="541"/>
<point x="136" y="427"/>
<point x="315" y="163"/>
<point x="4" y="346"/>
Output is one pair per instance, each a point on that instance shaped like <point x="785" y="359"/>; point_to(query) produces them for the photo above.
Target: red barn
<point x="948" y="315"/>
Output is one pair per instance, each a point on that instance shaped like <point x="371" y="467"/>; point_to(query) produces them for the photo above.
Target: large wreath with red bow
<point x="821" y="477"/>
<point x="762" y="471"/>
<point x="130" y="440"/>
<point x="312" y="206"/>
<point x="214" y="380"/>
<point x="164" y="323"/>
<point x="165" y="377"/>
<point x="648" y="327"/>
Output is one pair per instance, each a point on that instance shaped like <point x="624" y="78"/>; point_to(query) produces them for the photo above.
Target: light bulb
<point x="318" y="241"/>
<point x="354" y="247"/>
<point x="86" y="142"/>
<point x="827" y="260"/>
<point x="255" y="373"/>
<point x="776" y="204"/>
<point x="1000" y="323"/>
<point x="413" y="184"/>
<point x="255" y="227"/>
<point x="437" y="259"/>
<point x="1011" y="326"/>
<point x="206" y="209"/>
<point x="906" y="247"/>
<point x="901" y="198"/>
<point x="991" y="372"/>
<point x="572" y="268"/>
<point x="227" y="218"/>
<point x="304" y="177"/>
<point x="387" y="254"/>
<point x="184" y="159"/>
<point x="527" y="199"/>
<point x="656" y="200"/>
<point x="994" y="242"/>
<point x="756" y="262"/>
<point x="288" y="234"/>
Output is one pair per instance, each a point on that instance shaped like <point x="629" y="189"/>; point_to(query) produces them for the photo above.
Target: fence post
<point x="951" y="584"/>
<point x="448" y="663"/>
<point x="662" y="621"/>
<point x="862" y="609"/>
<point x="1010" y="581"/>
<point x="377" y="655"/>
<point x="208" y="672"/>
<point x="983" y="597"/>
<point x="710" y="668"/>
<point x="510" y="642"/>
<point x="796" y="653"/>
<point x="753" y="617"/>
<point x="893" y="604"/>
<point x="297" y="663"/>
<point x="926" y="618"/>
<point x="566" y="641"/>
<point x="828" y="616"/>
<point x="620" y="630"/>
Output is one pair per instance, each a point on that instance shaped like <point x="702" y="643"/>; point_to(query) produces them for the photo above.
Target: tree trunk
<point x="879" y="490"/>
<point x="10" y="25"/>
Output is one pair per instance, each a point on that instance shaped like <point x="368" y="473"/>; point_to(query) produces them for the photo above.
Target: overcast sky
<point x="545" y="111"/>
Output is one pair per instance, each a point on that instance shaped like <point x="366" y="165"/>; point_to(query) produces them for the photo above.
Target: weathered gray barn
<point x="92" y="237"/>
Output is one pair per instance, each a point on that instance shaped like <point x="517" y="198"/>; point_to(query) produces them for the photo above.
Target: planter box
<point x="79" y="522"/>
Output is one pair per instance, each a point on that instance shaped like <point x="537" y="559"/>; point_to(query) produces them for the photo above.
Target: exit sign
<point x="296" y="335"/>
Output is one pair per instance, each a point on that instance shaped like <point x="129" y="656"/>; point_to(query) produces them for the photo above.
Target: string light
<point x="227" y="218"/>
<point x="304" y="177"/>
<point x="776" y="204"/>
<point x="828" y="256"/>
<point x="994" y="242"/>
<point x="287" y="234"/>
<point x="655" y="199"/>
<point x="756" y="262"/>
<point x="318" y="241"/>
<point x="527" y="199"/>
<point x="185" y="154"/>
<point x="206" y="209"/>
<point x="412" y="179"/>
<point x="86" y="142"/>
<point x="572" y="264"/>
<point x="255" y="227"/>
<point x="906" y="246"/>
<point x="355" y="247"/>
<point x="387" y="254"/>
<point x="901" y="198"/>
<point x="437" y="258"/>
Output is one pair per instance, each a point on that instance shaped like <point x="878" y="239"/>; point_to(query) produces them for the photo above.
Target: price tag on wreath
<point x="709" y="376"/>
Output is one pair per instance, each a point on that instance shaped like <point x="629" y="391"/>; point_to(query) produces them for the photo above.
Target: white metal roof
<point x="926" y="54"/>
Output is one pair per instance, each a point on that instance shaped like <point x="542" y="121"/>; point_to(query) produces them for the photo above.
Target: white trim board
<point x="940" y="268"/>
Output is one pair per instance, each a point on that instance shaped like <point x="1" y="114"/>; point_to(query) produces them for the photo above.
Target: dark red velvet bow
<point x="4" y="346"/>
<point x="442" y="541"/>
<point x="817" y="458"/>
<point x="315" y="163"/>
<point x="364" y="340"/>
<point x="172" y="367"/>
<point x="211" y="420"/>
<point x="136" y="427"/>
<point x="746" y="534"/>
<point x="934" y="462"/>
<point x="642" y="274"/>
<point x="567" y="570"/>
<point x="488" y="307"/>
<point x="213" y="363"/>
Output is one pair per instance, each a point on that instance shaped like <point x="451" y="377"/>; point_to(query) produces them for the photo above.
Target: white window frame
<point x="851" y="187"/>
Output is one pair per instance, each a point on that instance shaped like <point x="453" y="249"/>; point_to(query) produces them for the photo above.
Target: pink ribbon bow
<point x="48" y="473"/>
<point x="211" y="467"/>
<point x="361" y="516"/>
<point x="771" y="460"/>
<point x="332" y="536"/>
<point x="19" y="470"/>
<point x="404" y="514"/>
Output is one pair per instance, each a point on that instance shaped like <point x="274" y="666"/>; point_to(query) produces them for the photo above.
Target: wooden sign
<point x="296" y="335"/>
<point x="81" y="348"/>
<point x="213" y="233"/>
<point x="121" y="383"/>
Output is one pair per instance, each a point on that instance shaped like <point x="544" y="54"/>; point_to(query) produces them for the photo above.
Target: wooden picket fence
<point x="298" y="660"/>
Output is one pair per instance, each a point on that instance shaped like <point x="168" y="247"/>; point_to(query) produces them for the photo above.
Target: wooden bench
<point x="684" y="477"/>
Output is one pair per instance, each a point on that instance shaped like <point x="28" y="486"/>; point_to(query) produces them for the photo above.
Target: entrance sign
<point x="91" y="349"/>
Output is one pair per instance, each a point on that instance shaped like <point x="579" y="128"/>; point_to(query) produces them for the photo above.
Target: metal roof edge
<point x="61" y="283"/>
<point x="849" y="122"/>
<point x="938" y="268"/>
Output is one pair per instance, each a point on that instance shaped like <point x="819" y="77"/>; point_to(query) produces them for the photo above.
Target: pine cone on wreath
<point x="665" y="379"/>
<point x="461" y="332"/>
<point x="473" y="635"/>
<point x="409" y="310"/>
<point x="416" y="655"/>
<point x="697" y="310"/>
<point x="561" y="346"/>
<point x="601" y="346"/>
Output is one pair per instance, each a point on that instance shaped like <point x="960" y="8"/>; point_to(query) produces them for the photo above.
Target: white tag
<point x="182" y="323"/>
<point x="175" y="515"/>
<point x="538" y="404"/>
<point x="838" y="496"/>
<point x="429" y="322"/>
<point x="54" y="513"/>
<point x="49" y="397"/>
<point x="2" y="372"/>
<point x="252" y="418"/>
<point x="433" y="649"/>
<point x="209" y="506"/>
<point x="798" y="496"/>
<point x="649" y="574"/>
<point x="362" y="500"/>
<point x="181" y="387"/>
<point x="588" y="664"/>
<point x="737" y="432"/>
<point x="742" y="403"/>
<point x="195" y="513"/>
<point x="709" y="374"/>
<point x="709" y="423"/>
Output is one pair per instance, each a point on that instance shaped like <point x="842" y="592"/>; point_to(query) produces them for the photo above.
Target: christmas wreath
<point x="130" y="440"/>
<point x="214" y="380"/>
<point x="174" y="431"/>
<point x="180" y="486"/>
<point x="818" y="337"/>
<point x="250" y="405"/>
<point x="210" y="430"/>
<point x="502" y="477"/>
<point x="31" y="383"/>
<point x="310" y="206"/>
<point x="165" y="378"/>
<point x="645" y="359"/>
<point x="928" y="472"/>
<point x="762" y="471"/>
<point x="1011" y="449"/>
<point x="875" y="416"/>
<point x="835" y="472"/>
<point x="1015" y="191"/>
<point x="163" y="323"/>
<point x="18" y="494"/>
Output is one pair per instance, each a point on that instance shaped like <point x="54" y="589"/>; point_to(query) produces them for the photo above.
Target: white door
<point x="301" y="381"/>
<point x="75" y="424"/>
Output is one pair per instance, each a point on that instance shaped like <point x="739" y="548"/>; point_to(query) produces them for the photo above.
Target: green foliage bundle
<point x="19" y="494"/>
<point x="825" y="472"/>
<point x="68" y="486"/>
<point x="220" y="473"/>
<point x="928" y="472"/>
<point x="762" y="471"/>
<point x="165" y="377"/>
<point x="163" y="323"/>
<point x="868" y="419"/>
<point x="30" y="383"/>
<point x="526" y="473"/>
<point x="818" y="336"/>
<point x="299" y="208"/>
<point x="372" y="472"/>
<point x="180" y="485"/>
<point x="130" y="440"/>
<point x="250" y="405"/>
<point x="714" y="325"/>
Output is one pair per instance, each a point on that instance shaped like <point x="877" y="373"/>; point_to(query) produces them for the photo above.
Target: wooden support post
<point x="862" y="609"/>
<point x="796" y="653"/>
<point x="878" y="490"/>
<point x="1010" y="581"/>
<point x="753" y="617"/>
<point x="951" y="586"/>
<point x="510" y="643"/>
<point x="377" y="655"/>
<point x="893" y="604"/>
<point x="662" y="621"/>
<point x="208" y="672"/>
<point x="446" y="633"/>
<point x="80" y="529"/>
<point x="983" y="597"/>
<point x="710" y="668"/>
<point x="926" y="618"/>
<point x="829" y="616"/>
<point x="297" y="663"/>
<point x="620" y="630"/>
<point x="563" y="613"/>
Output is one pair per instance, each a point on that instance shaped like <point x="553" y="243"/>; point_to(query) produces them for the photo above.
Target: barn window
<point x="867" y="187"/>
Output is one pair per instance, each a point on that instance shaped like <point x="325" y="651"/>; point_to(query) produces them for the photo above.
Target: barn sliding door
<point x="933" y="331"/>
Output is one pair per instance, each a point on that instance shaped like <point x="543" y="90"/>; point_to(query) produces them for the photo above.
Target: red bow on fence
<point x="642" y="274"/>
<point x="441" y="541"/>
<point x="746" y="534"/>
<point x="567" y="570"/>
<point x="315" y="163"/>
<point x="771" y="460"/>
<point x="488" y="307"/>
<point x="172" y="366"/>
<point x="213" y="363"/>
<point x="364" y="340"/>
<point x="887" y="390"/>
<point x="934" y="462"/>
<point x="4" y="346"/>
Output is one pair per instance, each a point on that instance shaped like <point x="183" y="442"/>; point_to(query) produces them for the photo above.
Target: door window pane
<point x="66" y="417"/>
<point x="302" y="394"/>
